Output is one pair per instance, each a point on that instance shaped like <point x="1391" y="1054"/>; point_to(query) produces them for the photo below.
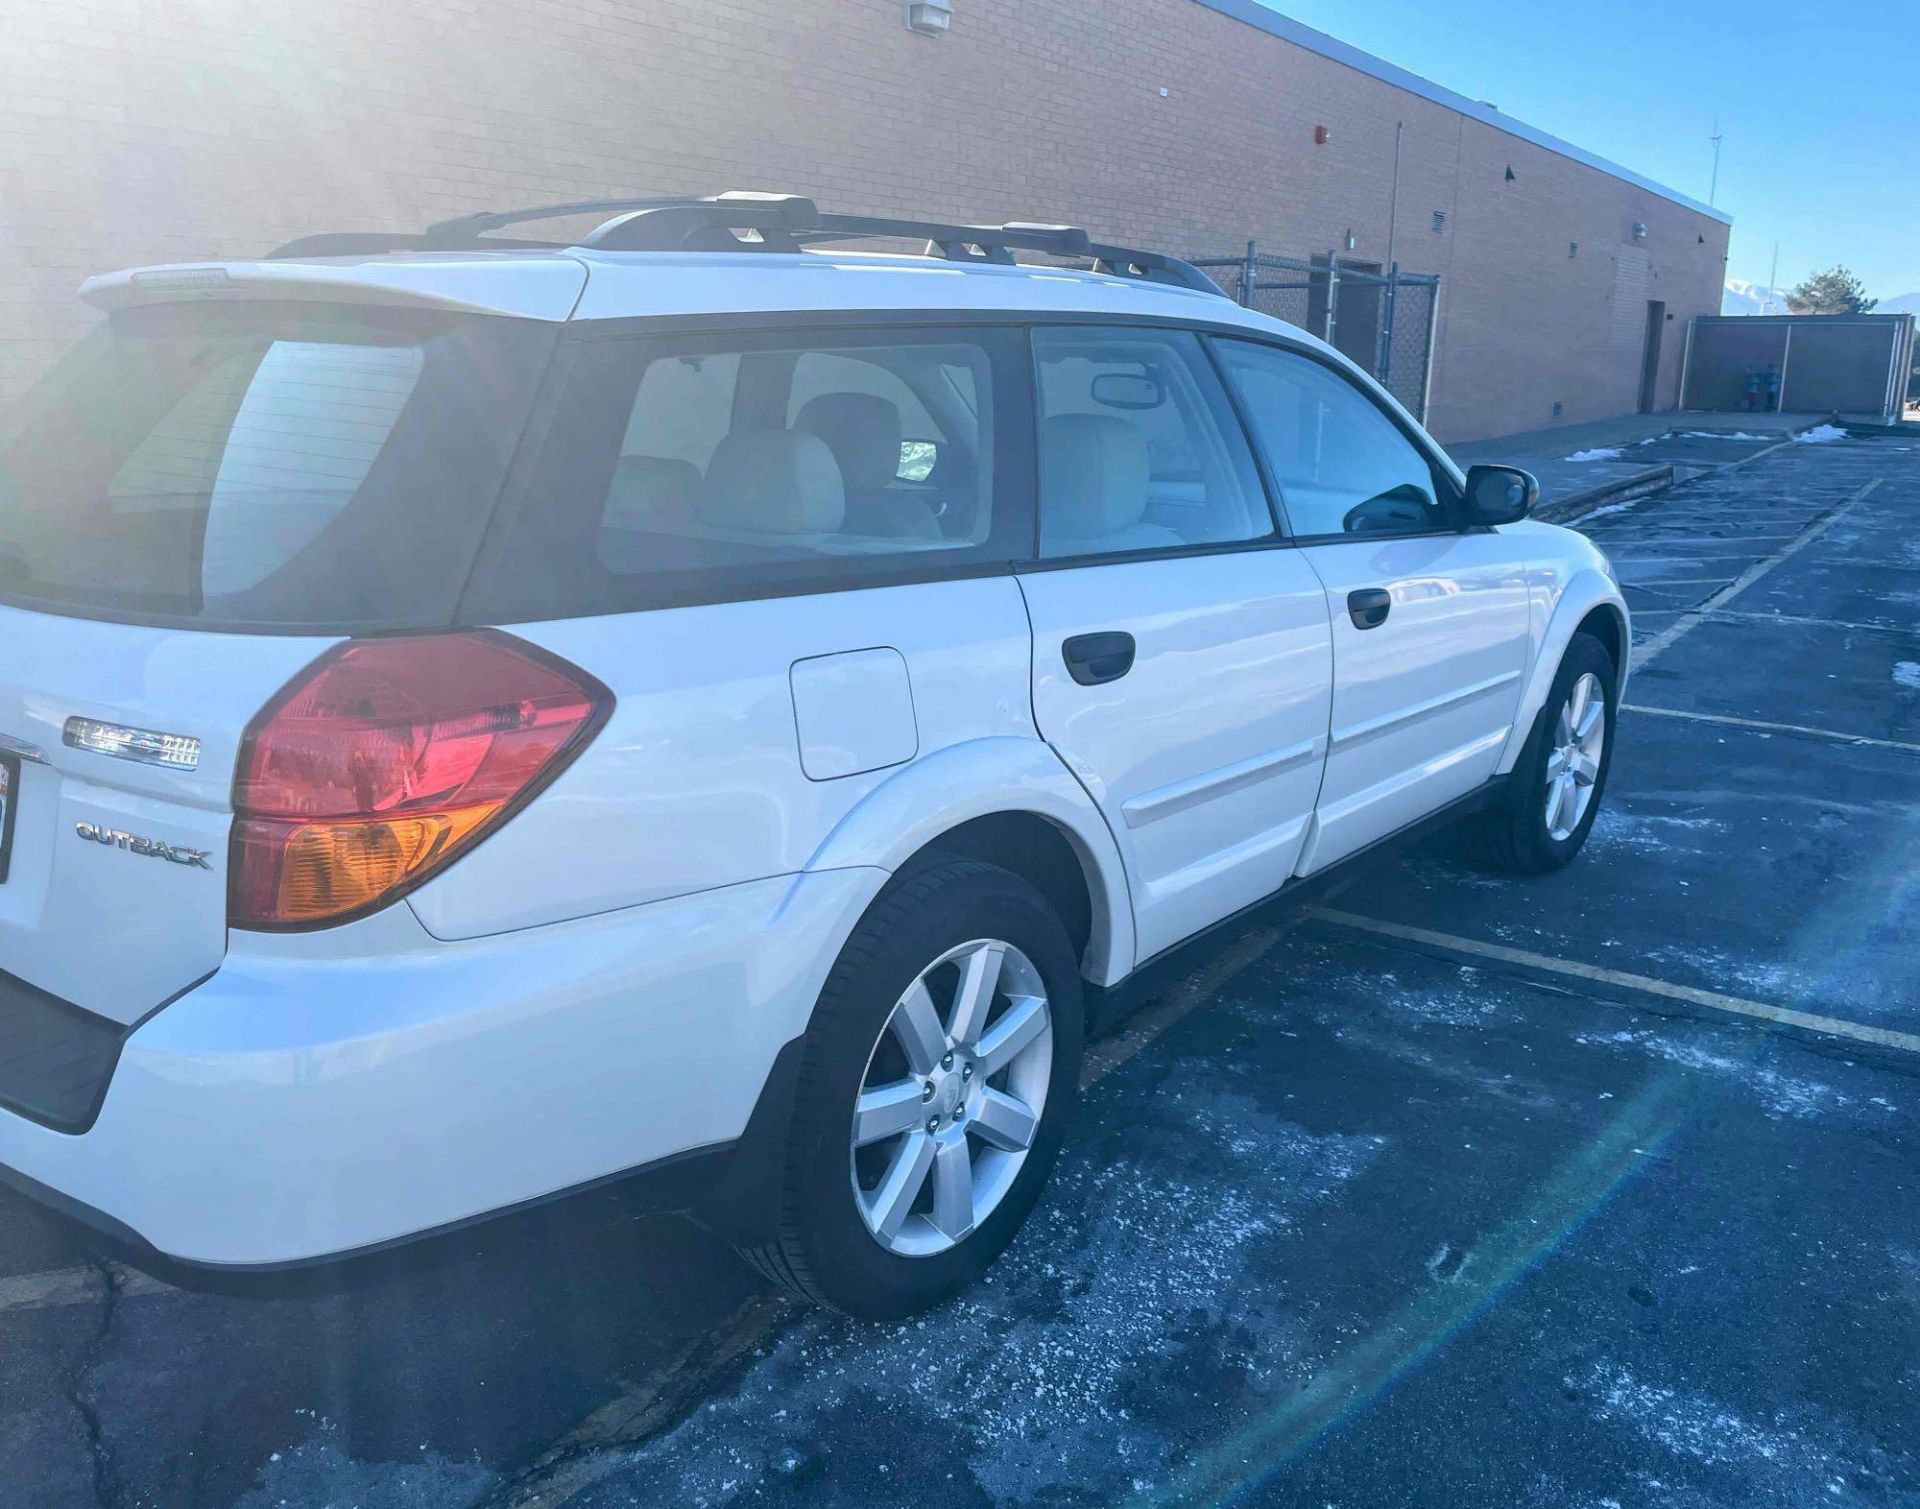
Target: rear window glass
<point x="686" y="469"/>
<point x="264" y="465"/>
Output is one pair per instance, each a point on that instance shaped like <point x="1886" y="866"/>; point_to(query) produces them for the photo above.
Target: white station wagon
<point x="482" y="718"/>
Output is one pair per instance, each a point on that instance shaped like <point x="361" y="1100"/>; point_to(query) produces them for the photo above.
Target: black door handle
<point x="1094" y="658"/>
<point x="1368" y="607"/>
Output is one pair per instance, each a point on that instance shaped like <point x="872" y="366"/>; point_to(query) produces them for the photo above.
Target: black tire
<point x="1513" y="834"/>
<point x="823" y="1250"/>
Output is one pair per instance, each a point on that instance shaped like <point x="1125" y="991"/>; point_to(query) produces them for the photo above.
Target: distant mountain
<point x="1742" y="297"/>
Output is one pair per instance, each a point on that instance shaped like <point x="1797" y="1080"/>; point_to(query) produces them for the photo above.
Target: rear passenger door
<point x="1430" y="618"/>
<point x="1181" y="657"/>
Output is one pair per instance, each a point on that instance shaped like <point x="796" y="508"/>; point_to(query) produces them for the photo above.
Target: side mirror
<point x="1500" y="494"/>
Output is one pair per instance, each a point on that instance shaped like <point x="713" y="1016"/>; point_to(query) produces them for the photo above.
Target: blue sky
<point x="1819" y="104"/>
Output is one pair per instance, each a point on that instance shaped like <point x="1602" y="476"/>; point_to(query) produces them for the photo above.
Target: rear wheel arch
<point x="1040" y="852"/>
<point x="1011" y="802"/>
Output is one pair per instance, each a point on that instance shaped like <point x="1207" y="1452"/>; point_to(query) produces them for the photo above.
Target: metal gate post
<point x="1433" y="354"/>
<point x="1248" y="272"/>
<point x="1386" y="332"/>
<point x="1888" y="409"/>
<point x="1333" y="294"/>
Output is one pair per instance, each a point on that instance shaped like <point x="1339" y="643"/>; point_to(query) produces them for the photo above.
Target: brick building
<point x="141" y="131"/>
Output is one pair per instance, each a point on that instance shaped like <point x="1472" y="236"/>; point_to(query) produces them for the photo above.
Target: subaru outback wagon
<point x="481" y="718"/>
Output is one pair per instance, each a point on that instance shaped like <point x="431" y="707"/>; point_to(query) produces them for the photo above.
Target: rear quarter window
<point x="265" y="465"/>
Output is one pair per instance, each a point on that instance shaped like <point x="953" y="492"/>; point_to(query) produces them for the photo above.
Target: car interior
<point x="874" y="450"/>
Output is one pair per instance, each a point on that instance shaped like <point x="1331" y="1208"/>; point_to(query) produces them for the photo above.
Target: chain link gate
<point x="1384" y="321"/>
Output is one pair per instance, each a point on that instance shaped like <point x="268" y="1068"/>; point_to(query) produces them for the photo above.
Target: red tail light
<point x="385" y="759"/>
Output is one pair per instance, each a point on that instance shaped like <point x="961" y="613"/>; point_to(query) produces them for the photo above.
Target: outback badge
<point x="179" y="854"/>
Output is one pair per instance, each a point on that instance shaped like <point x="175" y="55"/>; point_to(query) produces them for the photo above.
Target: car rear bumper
<point x="327" y="1094"/>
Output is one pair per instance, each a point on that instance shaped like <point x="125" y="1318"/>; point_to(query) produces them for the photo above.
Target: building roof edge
<point x="1254" y="13"/>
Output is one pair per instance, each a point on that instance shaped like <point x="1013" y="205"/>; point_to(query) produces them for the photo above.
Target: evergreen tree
<point x="1835" y="291"/>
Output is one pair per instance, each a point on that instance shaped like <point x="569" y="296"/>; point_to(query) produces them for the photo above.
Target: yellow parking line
<point x="1772" y="728"/>
<point x="56" y="1287"/>
<point x="1785" y="1016"/>
<point x="1795" y="620"/>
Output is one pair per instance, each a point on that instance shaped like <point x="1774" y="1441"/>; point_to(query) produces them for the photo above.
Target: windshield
<point x="269" y="465"/>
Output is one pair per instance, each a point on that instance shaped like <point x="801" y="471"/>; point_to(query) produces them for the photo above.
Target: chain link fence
<point x="1383" y="320"/>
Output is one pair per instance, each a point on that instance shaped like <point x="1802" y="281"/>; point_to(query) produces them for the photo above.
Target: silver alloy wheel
<point x="1573" y="765"/>
<point x="951" y="1098"/>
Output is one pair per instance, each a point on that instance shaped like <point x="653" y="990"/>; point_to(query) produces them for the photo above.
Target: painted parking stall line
<point x="55" y="1287"/>
<point x="1764" y="726"/>
<point x="1673" y="634"/>
<point x="1905" y="1042"/>
<point x="1795" y="620"/>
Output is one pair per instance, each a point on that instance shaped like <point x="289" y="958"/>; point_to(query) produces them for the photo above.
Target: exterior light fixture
<point x="1351" y="243"/>
<point x="1639" y="230"/>
<point x="930" y="18"/>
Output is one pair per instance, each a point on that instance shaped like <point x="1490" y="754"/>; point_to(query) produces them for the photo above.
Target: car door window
<point x="700" y="477"/>
<point x="1139" y="446"/>
<point x="1342" y="466"/>
<point x="702" y="467"/>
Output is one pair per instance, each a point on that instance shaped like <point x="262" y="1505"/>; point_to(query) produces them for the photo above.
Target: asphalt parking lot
<point x="1602" y="1189"/>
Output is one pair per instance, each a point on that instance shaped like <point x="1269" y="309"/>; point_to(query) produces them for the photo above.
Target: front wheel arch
<point x="1587" y="594"/>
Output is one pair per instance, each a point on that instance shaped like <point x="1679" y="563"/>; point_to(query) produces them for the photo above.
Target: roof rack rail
<point x="469" y="232"/>
<point x="758" y="222"/>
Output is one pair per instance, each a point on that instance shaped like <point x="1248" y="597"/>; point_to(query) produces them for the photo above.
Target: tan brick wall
<point x="150" y="130"/>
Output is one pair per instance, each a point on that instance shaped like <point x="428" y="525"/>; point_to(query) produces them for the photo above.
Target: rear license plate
<point x="9" y="793"/>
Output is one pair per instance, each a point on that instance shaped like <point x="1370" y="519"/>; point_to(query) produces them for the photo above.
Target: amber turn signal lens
<point x="327" y="868"/>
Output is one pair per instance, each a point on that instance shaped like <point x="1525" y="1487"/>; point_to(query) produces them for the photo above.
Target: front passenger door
<point x="1430" y="620"/>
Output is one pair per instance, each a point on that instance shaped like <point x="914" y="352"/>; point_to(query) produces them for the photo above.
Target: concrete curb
<point x="1643" y="484"/>
<point x="1565" y="510"/>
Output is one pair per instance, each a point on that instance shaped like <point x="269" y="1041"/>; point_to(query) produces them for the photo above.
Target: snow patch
<point x="1646" y="832"/>
<point x="1602" y="512"/>
<point x="1038" y="1383"/>
<point x="1696" y="1427"/>
<point x="1820" y="434"/>
<point x="319" y="1472"/>
<point x="1723" y="435"/>
<point x="1907" y="673"/>
<point x="1598" y="453"/>
<point x="1782" y="1094"/>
